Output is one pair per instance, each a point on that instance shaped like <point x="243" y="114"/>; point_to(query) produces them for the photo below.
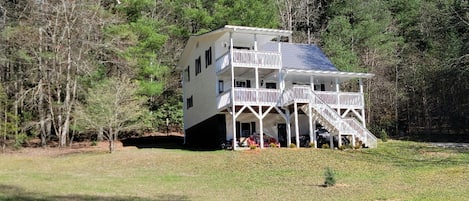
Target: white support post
<point x="261" y="131"/>
<point x="256" y="71"/>
<point x="281" y="80"/>
<point x="331" y="141"/>
<point x="297" y="129"/>
<point x="234" y="131"/>
<point x="314" y="134"/>
<point x="255" y="42"/>
<point x="281" y="76"/>
<point x="337" y="90"/>
<point x="310" y="123"/>
<point x="311" y="80"/>
<point x="288" y="127"/>
<point x="232" y="93"/>
<point x="363" y="103"/>
<point x="339" y="140"/>
<point x="279" y="45"/>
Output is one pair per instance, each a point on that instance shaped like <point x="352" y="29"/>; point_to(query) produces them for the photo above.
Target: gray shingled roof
<point x="301" y="56"/>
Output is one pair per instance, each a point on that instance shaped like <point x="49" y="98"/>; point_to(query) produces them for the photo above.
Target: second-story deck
<point x="249" y="96"/>
<point x="275" y="97"/>
<point x="249" y="59"/>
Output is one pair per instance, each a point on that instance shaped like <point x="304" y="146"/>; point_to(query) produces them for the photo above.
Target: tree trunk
<point x="4" y="130"/>
<point x="42" y="121"/>
<point x="111" y="139"/>
<point x="100" y="134"/>
<point x="111" y="146"/>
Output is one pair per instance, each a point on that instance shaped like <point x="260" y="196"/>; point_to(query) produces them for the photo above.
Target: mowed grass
<point x="397" y="170"/>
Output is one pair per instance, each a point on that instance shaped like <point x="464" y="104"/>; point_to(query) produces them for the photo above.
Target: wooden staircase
<point x="328" y="117"/>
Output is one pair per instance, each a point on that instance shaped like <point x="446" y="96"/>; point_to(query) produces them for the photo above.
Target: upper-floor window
<point x="208" y="57"/>
<point x="198" y="66"/>
<point x="189" y="102"/>
<point x="319" y="87"/>
<point x="271" y="85"/>
<point x="220" y="86"/>
<point x="244" y="84"/>
<point x="187" y="76"/>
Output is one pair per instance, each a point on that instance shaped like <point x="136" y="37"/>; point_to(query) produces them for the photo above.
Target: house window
<point x="208" y="57"/>
<point x="187" y="76"/>
<point x="271" y="85"/>
<point x="190" y="102"/>
<point x="220" y="87"/>
<point x="240" y="84"/>
<point x="319" y="86"/>
<point x="198" y="66"/>
<point x="245" y="84"/>
<point x="245" y="129"/>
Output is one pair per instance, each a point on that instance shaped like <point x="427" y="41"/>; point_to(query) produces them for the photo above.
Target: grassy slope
<point x="395" y="171"/>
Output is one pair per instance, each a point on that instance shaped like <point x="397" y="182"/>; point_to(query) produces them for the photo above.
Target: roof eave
<point x="228" y="28"/>
<point x="330" y="73"/>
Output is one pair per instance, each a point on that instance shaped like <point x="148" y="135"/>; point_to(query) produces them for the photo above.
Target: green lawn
<point x="397" y="170"/>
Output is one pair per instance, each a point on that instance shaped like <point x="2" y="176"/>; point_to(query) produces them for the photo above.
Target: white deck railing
<point x="306" y="95"/>
<point x="224" y="99"/>
<point x="249" y="96"/>
<point x="367" y="137"/>
<point x="222" y="62"/>
<point x="250" y="59"/>
<point x="345" y="99"/>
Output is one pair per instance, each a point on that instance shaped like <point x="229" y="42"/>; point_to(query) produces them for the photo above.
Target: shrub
<point x="325" y="146"/>
<point x="272" y="145"/>
<point x="292" y="145"/>
<point x="342" y="147"/>
<point x="383" y="135"/>
<point x="329" y="177"/>
<point x="94" y="143"/>
<point x="312" y="145"/>
<point x="252" y="147"/>
<point x="358" y="144"/>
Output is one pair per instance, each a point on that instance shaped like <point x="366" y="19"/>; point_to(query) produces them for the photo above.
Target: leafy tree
<point x="362" y="37"/>
<point x="8" y="123"/>
<point x="113" y="105"/>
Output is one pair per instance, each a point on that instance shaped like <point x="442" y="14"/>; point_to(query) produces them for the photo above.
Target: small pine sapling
<point x="329" y="177"/>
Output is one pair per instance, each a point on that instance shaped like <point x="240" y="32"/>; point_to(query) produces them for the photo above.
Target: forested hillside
<point x="58" y="57"/>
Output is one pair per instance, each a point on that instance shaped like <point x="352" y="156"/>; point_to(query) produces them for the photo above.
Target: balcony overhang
<point x="256" y="30"/>
<point x="242" y="35"/>
<point x="324" y="75"/>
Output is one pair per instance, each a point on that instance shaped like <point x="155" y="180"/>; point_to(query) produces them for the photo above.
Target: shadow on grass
<point x="410" y="154"/>
<point x="8" y="192"/>
<point x="164" y="142"/>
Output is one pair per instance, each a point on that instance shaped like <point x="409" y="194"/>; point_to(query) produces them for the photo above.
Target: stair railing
<point x="370" y="140"/>
<point x="349" y="126"/>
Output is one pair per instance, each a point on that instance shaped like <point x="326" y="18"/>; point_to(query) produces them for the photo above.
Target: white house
<point x="244" y="81"/>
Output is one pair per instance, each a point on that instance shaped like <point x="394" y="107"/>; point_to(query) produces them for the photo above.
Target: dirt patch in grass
<point x="437" y="154"/>
<point x="149" y="140"/>
<point x="79" y="147"/>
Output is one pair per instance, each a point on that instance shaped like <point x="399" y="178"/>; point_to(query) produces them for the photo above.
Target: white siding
<point x="203" y="87"/>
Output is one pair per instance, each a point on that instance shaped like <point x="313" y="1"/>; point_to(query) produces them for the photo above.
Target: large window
<point x="198" y="66"/>
<point x="208" y="57"/>
<point x="189" y="102"/>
